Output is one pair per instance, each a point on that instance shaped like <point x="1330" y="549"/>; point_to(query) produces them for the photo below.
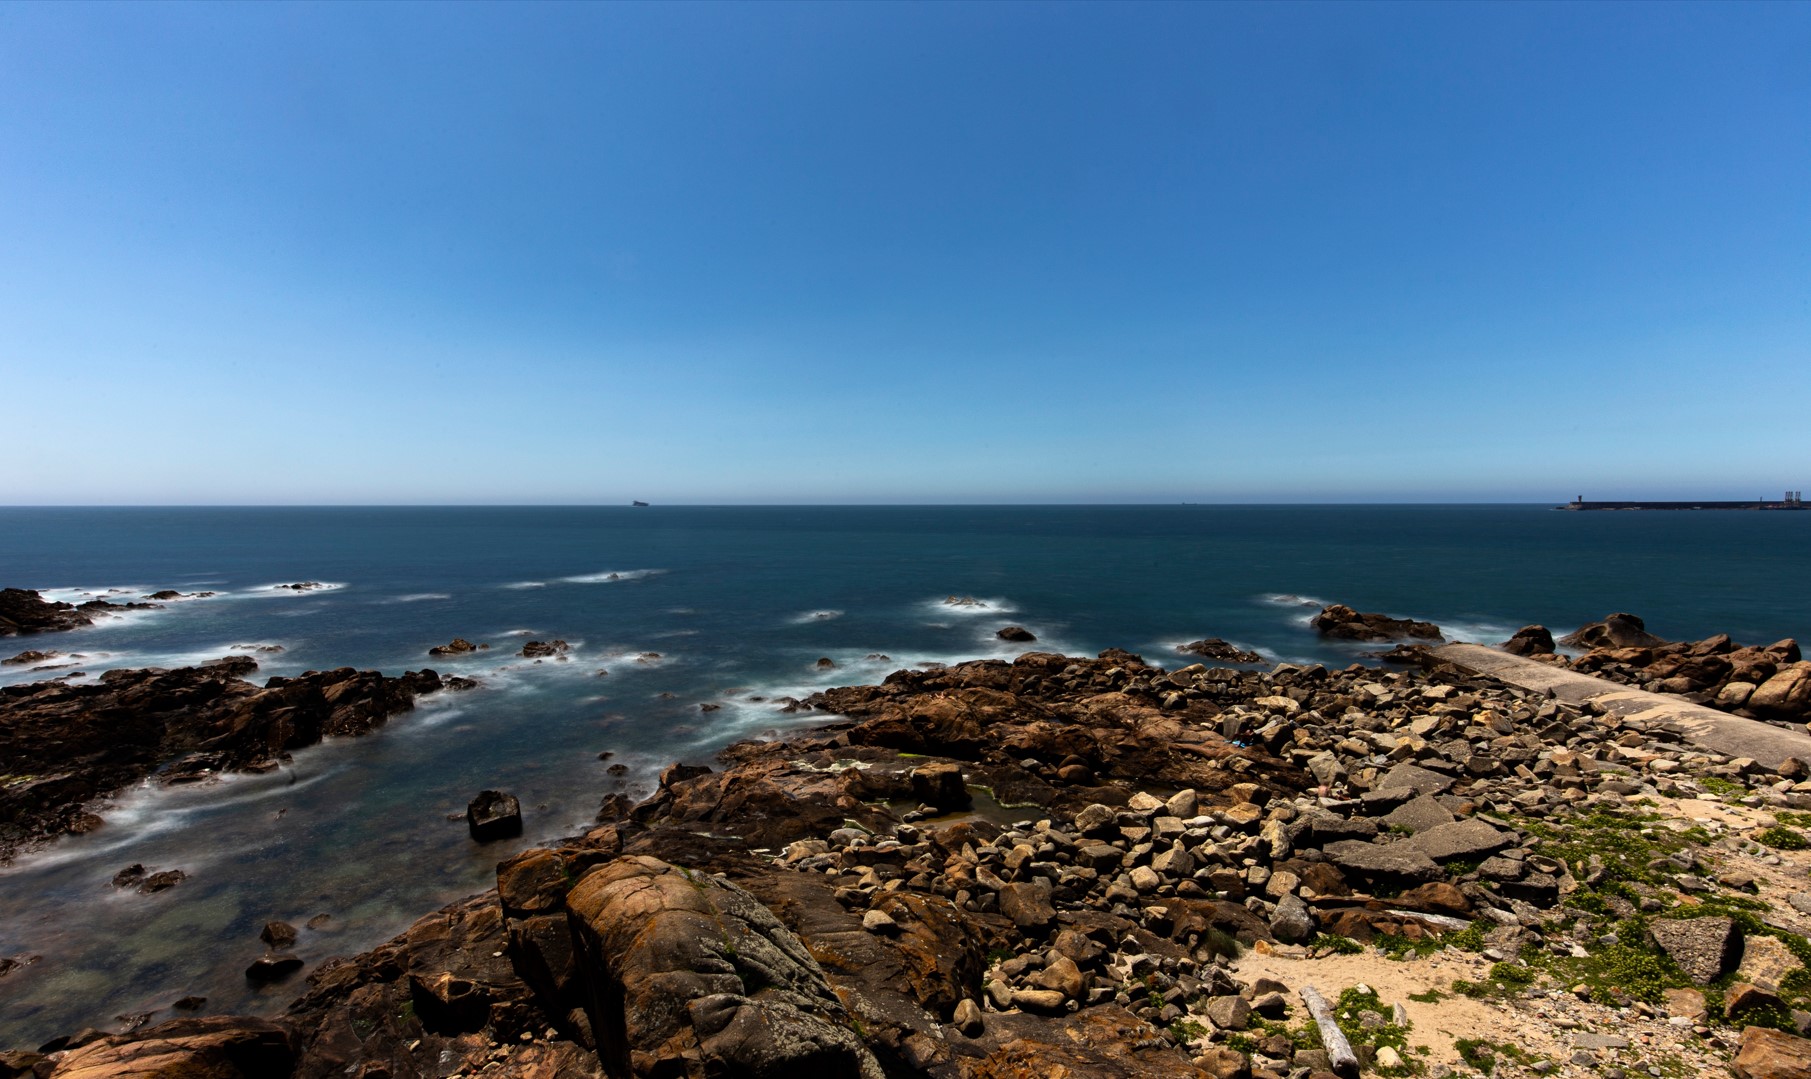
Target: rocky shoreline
<point x="1091" y="867"/>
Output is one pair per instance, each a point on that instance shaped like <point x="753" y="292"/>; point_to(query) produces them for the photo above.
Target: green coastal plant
<point x="1483" y="1055"/>
<point x="1782" y="838"/>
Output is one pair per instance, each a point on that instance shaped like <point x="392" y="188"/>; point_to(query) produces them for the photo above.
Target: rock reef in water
<point x="1343" y="623"/>
<point x="24" y="611"/>
<point x="1216" y="649"/>
<point x="62" y="746"/>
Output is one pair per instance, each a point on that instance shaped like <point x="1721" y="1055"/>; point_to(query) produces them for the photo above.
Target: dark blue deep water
<point x="740" y="603"/>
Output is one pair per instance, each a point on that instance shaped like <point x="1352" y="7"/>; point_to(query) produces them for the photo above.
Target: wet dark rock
<point x="145" y="881"/>
<point x="543" y="649"/>
<point x="494" y="815"/>
<point x="24" y="611"/>
<point x="1344" y="623"/>
<point x="1216" y="649"/>
<point x="1015" y="633"/>
<point x="458" y="646"/>
<point x="272" y="968"/>
<point x="30" y="656"/>
<point x="278" y="935"/>
<point x="940" y="785"/>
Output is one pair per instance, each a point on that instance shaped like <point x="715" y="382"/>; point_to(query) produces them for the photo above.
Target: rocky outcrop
<point x="458" y="646"/>
<point x="24" y="611"/>
<point x="217" y="1047"/>
<point x="1216" y="649"/>
<point x="493" y="815"/>
<point x="1530" y="641"/>
<point x="1015" y="633"/>
<point x="63" y="745"/>
<point x="1344" y="623"/>
<point x="1615" y="631"/>
<point x="689" y="975"/>
<point x="542" y="649"/>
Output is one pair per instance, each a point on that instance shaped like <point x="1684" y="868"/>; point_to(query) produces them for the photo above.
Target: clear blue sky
<point x="903" y="252"/>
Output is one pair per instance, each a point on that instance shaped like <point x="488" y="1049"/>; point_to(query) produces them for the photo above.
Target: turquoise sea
<point x="739" y="604"/>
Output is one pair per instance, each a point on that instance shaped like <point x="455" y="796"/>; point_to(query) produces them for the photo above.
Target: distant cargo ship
<point x="1794" y="500"/>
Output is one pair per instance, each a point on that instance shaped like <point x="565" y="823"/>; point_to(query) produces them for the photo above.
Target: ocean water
<point x="739" y="604"/>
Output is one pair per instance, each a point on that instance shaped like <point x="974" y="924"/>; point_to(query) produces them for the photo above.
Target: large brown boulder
<point x="1787" y="695"/>
<point x="216" y="1047"/>
<point x="1342" y="622"/>
<point x="1615" y="631"/>
<point x="688" y="975"/>
<point x="1771" y="1054"/>
<point x="1530" y="641"/>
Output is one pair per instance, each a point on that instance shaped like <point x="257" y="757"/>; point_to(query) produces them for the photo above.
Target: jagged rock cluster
<point x="1771" y="682"/>
<point x="24" y="611"/>
<point x="1342" y="622"/>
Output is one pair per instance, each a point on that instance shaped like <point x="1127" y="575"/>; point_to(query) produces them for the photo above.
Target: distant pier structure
<point x="1793" y="500"/>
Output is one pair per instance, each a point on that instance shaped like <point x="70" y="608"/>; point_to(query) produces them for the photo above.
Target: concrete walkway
<point x="1716" y="731"/>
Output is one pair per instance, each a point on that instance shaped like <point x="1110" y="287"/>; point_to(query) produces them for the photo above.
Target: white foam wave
<point x="417" y="597"/>
<point x="518" y="585"/>
<point x="1290" y="599"/>
<point x="289" y="588"/>
<point x="148" y="811"/>
<point x="613" y="576"/>
<point x="975" y="606"/>
<point x="1304" y="607"/>
<point x="1476" y="631"/>
<point x="1164" y="653"/>
<point x="809" y="617"/>
<point x="110" y="593"/>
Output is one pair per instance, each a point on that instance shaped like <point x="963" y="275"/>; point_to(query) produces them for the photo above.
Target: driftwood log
<point x="1333" y="1039"/>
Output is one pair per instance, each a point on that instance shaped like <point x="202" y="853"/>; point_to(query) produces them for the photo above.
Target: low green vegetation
<point x="1483" y="1055"/>
<point x="1780" y="837"/>
<point x="1366" y="1020"/>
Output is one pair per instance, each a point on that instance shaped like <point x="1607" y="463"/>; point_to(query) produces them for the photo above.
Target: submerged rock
<point x="1344" y="623"/>
<point x="1217" y="649"/>
<point x="494" y="815"/>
